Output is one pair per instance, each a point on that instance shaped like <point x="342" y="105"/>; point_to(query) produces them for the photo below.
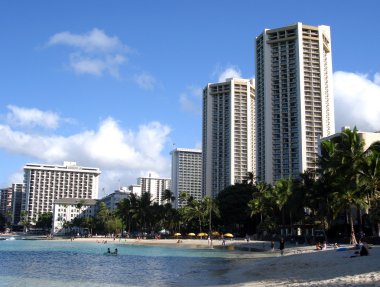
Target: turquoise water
<point x="63" y="263"/>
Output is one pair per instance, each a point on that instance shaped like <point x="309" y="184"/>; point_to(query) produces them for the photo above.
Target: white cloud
<point x="376" y="78"/>
<point x="94" y="53"/>
<point x="94" y="41"/>
<point x="357" y="101"/>
<point x="145" y="81"/>
<point x="128" y="154"/>
<point x="230" y="72"/>
<point x="191" y="100"/>
<point x="83" y="64"/>
<point x="31" y="117"/>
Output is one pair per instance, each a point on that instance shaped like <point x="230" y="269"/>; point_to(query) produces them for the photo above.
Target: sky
<point x="117" y="84"/>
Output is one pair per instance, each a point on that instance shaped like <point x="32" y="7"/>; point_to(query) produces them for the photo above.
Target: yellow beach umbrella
<point x="191" y="234"/>
<point x="215" y="233"/>
<point x="228" y="235"/>
<point x="177" y="234"/>
<point x="202" y="234"/>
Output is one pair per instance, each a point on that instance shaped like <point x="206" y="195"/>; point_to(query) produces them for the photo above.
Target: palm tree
<point x="195" y="210"/>
<point x="211" y="207"/>
<point x="341" y="161"/>
<point x="168" y="196"/>
<point x="24" y="220"/>
<point x="281" y="193"/>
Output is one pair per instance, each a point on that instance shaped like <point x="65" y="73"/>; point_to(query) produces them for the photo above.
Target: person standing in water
<point x="282" y="245"/>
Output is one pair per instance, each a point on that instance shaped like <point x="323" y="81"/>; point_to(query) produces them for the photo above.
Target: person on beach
<point x="282" y="245"/>
<point x="272" y="246"/>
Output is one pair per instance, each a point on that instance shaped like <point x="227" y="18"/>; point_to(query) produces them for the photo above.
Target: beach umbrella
<point x="191" y="234"/>
<point x="202" y="234"/>
<point x="177" y="234"/>
<point x="215" y="233"/>
<point x="228" y="235"/>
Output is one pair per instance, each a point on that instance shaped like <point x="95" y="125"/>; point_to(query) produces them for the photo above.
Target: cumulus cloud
<point x="357" y="101"/>
<point x="94" y="41"/>
<point x="191" y="100"/>
<point x="230" y="72"/>
<point x="145" y="81"/>
<point x="94" y="53"/>
<point x="31" y="117"/>
<point x="119" y="153"/>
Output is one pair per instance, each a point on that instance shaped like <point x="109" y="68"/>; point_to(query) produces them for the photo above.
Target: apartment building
<point x="228" y="139"/>
<point x="186" y="174"/>
<point x="294" y="99"/>
<point x="44" y="184"/>
<point x="155" y="186"/>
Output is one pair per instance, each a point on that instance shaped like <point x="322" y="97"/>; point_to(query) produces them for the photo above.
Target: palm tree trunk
<point x="353" y="238"/>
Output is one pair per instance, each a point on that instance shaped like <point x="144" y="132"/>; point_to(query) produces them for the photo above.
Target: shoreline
<point x="301" y="265"/>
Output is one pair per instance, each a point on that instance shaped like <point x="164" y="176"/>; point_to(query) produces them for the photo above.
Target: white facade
<point x="155" y="186"/>
<point x="186" y="174"/>
<point x="228" y="137"/>
<point x="135" y="189"/>
<point x="46" y="183"/>
<point x="66" y="209"/>
<point x="294" y="100"/>
<point x="368" y="137"/>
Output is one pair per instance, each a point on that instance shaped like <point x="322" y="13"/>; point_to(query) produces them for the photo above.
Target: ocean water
<point x="40" y="263"/>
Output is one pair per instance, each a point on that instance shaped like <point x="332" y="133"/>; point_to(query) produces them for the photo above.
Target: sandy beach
<point x="299" y="266"/>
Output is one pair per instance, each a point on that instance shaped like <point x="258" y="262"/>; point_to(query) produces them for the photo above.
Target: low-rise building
<point x="67" y="209"/>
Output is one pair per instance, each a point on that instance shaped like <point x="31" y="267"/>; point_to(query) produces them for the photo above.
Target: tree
<point x="194" y="210"/>
<point x="168" y="196"/>
<point x="233" y="207"/>
<point x="340" y="163"/>
<point x="211" y="207"/>
<point x="281" y="193"/>
<point x="45" y="221"/>
<point x="24" y="220"/>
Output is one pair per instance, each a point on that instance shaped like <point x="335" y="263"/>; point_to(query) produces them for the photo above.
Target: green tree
<point x="45" y="221"/>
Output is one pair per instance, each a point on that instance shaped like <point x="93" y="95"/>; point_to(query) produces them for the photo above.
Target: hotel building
<point x="294" y="100"/>
<point x="228" y="137"/>
<point x="66" y="209"/>
<point x="155" y="186"/>
<point x="46" y="183"/>
<point x="186" y="174"/>
<point x="18" y="202"/>
<point x="6" y="195"/>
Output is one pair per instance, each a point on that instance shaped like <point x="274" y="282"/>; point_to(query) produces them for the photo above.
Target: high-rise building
<point x="228" y="134"/>
<point x="6" y="203"/>
<point x="155" y="186"/>
<point x="18" y="201"/>
<point x="186" y="174"/>
<point x="294" y="100"/>
<point x="46" y="183"/>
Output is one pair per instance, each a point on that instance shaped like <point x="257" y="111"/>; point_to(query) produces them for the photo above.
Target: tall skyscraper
<point x="228" y="134"/>
<point x="186" y="174"/>
<point x="155" y="186"/>
<point x="294" y="100"/>
<point x="18" y="201"/>
<point x="46" y="183"/>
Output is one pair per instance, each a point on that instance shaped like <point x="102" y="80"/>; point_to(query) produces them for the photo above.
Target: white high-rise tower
<point x="228" y="134"/>
<point x="294" y="100"/>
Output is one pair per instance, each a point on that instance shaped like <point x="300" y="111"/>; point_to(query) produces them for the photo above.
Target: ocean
<point x="40" y="263"/>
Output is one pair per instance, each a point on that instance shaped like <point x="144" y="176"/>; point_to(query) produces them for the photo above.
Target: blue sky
<point x="117" y="84"/>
